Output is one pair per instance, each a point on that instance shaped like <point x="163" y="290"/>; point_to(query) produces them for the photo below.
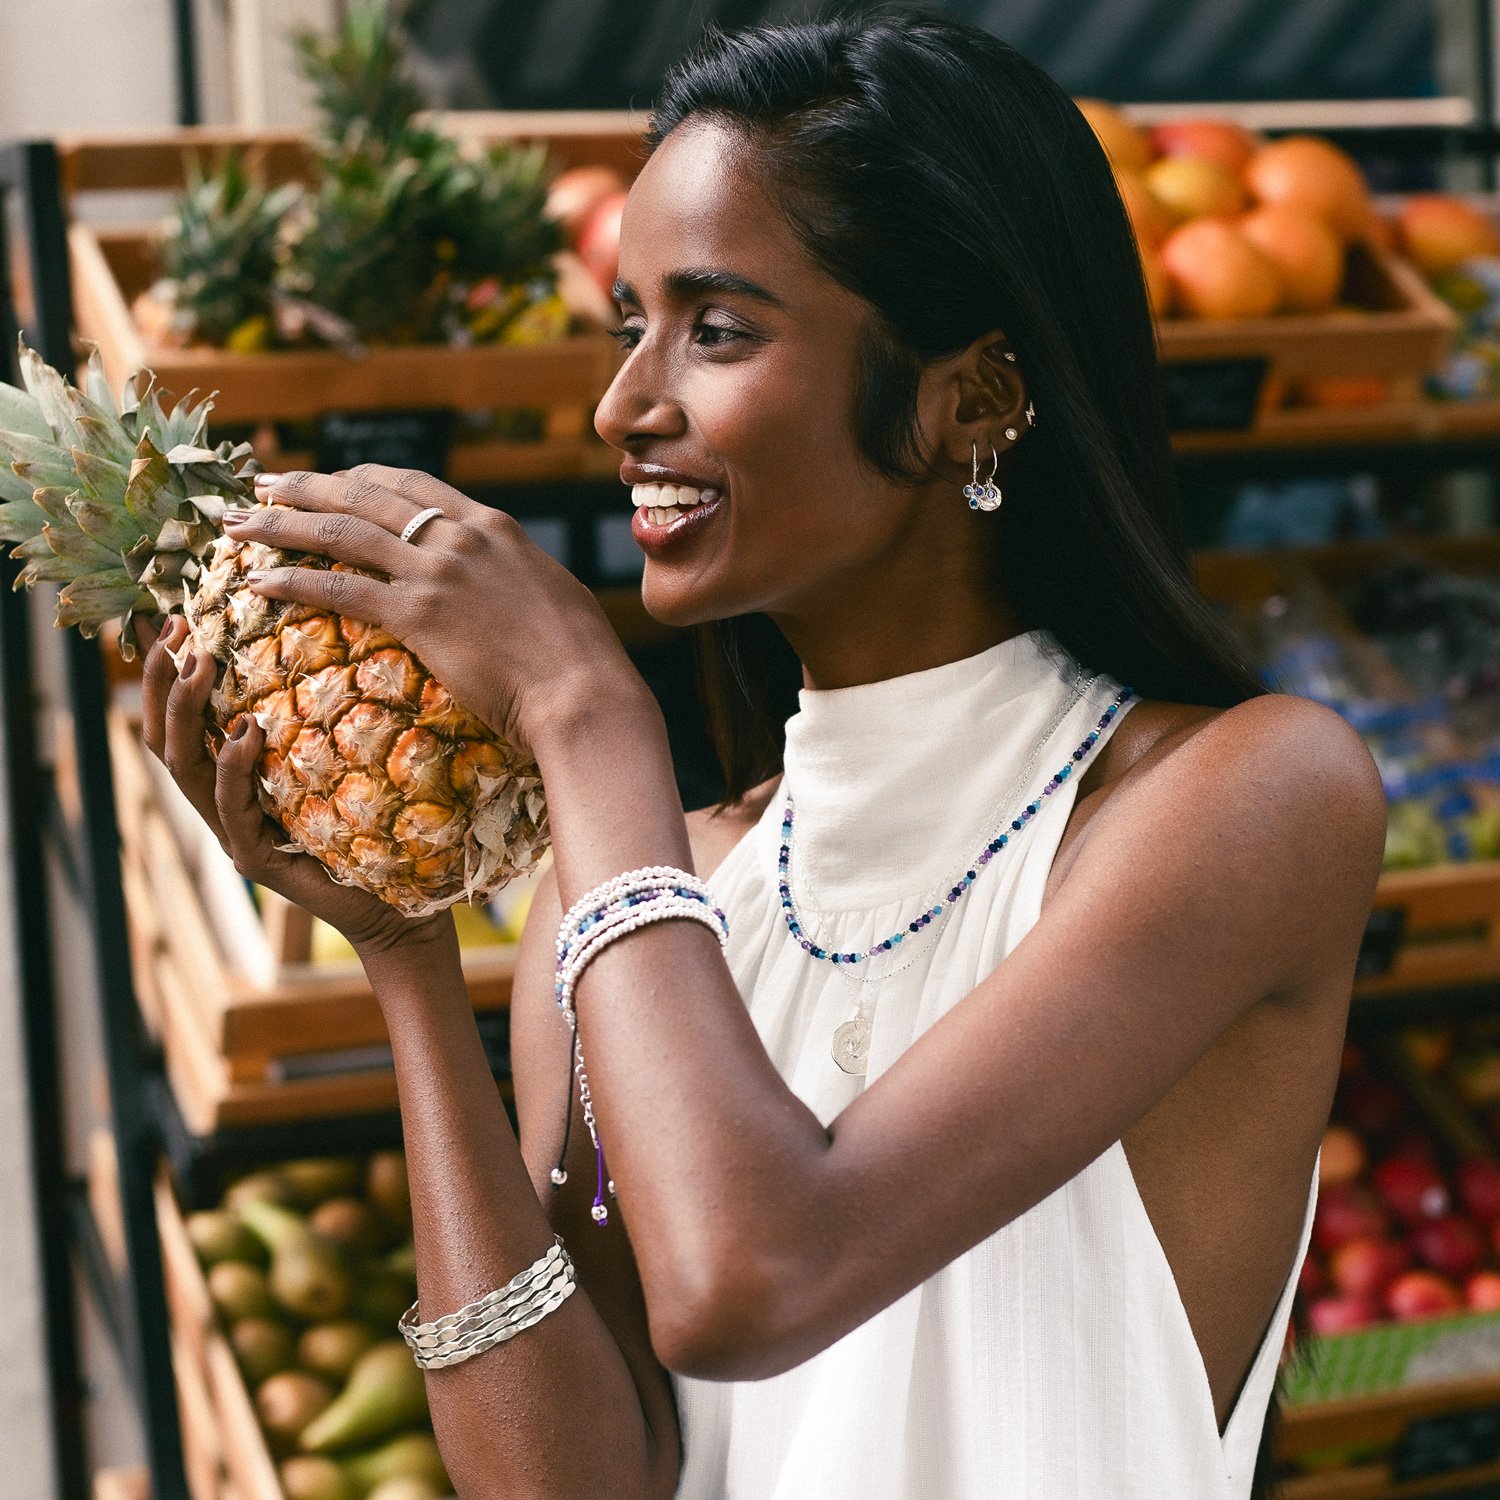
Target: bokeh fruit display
<point x="1231" y="226"/>
<point x="309" y="1264"/>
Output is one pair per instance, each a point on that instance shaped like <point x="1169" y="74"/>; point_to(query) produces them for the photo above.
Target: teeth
<point x="668" y="496"/>
<point x="662" y="515"/>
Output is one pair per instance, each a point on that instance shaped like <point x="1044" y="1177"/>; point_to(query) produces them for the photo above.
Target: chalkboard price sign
<point x="1203" y="394"/>
<point x="398" y="439"/>
<point x="1454" y="1440"/>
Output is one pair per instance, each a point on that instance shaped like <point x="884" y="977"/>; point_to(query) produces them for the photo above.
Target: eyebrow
<point x="683" y="285"/>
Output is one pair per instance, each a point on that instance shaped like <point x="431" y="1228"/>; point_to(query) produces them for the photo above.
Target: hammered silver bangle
<point x="494" y="1318"/>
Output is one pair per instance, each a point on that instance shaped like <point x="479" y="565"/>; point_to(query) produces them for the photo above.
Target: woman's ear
<point x="976" y="398"/>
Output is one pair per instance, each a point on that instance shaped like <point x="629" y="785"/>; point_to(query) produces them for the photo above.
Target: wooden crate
<point x="222" y="1441"/>
<point x="563" y="380"/>
<point x="132" y="1483"/>
<point x="1451" y="912"/>
<point x="1393" y="325"/>
<point x="252" y="1031"/>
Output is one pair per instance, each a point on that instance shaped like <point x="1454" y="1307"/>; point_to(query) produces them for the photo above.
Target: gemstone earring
<point x="983" y="494"/>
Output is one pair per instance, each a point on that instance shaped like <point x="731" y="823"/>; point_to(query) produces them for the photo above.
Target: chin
<point x="679" y="602"/>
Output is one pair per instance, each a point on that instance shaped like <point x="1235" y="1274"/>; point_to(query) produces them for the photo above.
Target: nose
<point x="638" y="405"/>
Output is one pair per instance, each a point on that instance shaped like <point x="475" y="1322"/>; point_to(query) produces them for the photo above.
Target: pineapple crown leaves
<point x="117" y="508"/>
<point x="359" y="76"/>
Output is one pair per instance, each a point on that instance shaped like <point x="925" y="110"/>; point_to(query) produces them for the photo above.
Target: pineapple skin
<point x="368" y="764"/>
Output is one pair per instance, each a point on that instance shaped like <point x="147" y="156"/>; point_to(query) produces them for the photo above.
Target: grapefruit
<point x="1439" y="232"/>
<point x="1305" y="251"/>
<point x="1191" y="187"/>
<point x="1217" y="273"/>
<point x="1222" y="141"/>
<point x="1307" y="172"/>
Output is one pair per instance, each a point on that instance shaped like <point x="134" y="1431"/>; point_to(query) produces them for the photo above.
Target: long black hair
<point x="932" y="170"/>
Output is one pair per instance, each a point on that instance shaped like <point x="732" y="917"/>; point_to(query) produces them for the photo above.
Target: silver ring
<point x="418" y="521"/>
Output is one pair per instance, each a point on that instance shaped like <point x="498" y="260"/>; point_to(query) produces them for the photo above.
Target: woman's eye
<point x="716" y="334"/>
<point x="625" y="336"/>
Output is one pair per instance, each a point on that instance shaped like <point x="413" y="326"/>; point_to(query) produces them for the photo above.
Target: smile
<point x="665" y="503"/>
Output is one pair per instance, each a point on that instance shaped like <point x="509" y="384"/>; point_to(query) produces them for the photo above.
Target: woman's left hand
<point x="512" y="635"/>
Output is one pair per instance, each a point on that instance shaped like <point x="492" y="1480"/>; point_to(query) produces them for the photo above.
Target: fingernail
<point x="236" y="517"/>
<point x="241" y="725"/>
<point x="188" y="665"/>
<point x="265" y="481"/>
<point x="258" y="576"/>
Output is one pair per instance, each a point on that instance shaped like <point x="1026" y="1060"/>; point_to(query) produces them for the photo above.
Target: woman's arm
<point x="571" y="1407"/>
<point x="1237" y="869"/>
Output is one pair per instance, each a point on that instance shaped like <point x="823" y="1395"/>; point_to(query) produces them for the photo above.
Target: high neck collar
<point x="894" y="780"/>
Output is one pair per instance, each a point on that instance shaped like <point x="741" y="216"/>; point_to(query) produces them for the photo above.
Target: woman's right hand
<point x="173" y="704"/>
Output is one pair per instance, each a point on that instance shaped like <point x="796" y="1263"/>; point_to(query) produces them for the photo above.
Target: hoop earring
<point x="983" y="494"/>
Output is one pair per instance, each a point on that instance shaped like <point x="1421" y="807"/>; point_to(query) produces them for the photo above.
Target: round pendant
<point x="851" y="1045"/>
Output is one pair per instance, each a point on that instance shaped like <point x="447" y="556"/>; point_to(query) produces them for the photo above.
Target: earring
<point x="1011" y="434"/>
<point x="983" y="494"/>
<point x="1030" y="415"/>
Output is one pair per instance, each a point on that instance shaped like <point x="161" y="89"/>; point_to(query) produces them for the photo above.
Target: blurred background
<point x="208" y="187"/>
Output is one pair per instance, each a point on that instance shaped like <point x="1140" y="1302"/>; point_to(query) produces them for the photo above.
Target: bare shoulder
<point x="714" y="831"/>
<point x="1276" y="796"/>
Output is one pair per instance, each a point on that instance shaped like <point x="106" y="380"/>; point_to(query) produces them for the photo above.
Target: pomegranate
<point x="1412" y="1189"/>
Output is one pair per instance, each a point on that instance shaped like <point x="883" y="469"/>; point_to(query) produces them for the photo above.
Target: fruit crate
<point x="1408" y="1408"/>
<point x="1390" y="323"/>
<point x="261" y="393"/>
<point x="252" y="1030"/>
<point x="224" y="1451"/>
<point x="1447" y="915"/>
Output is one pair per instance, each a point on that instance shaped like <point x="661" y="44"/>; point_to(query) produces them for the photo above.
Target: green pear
<point x="309" y="1276"/>
<point x="240" y="1291"/>
<point x="332" y="1349"/>
<point x="309" y="1477"/>
<point x="383" y="1296"/>
<point x="260" y="1187"/>
<point x="413" y="1455"/>
<point x="406" y="1487"/>
<point x="217" y="1235"/>
<point x="350" y="1222"/>
<point x="387" y="1187"/>
<point x="263" y="1347"/>
<point x="316" y="1178"/>
<point x="385" y="1393"/>
<point x="287" y="1402"/>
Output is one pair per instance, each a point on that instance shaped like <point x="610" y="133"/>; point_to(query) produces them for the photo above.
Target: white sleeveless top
<point x="1054" y="1361"/>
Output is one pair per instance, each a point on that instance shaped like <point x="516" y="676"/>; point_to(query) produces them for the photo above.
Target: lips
<point x="678" y="524"/>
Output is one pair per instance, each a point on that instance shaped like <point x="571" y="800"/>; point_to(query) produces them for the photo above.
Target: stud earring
<point x="1011" y="434"/>
<point x="1030" y="415"/>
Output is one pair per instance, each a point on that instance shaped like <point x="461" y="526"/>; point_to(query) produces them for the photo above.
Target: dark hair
<point x="933" y="171"/>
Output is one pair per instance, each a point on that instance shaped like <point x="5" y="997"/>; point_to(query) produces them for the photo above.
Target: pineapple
<point x="218" y="258"/>
<point x="368" y="764"/>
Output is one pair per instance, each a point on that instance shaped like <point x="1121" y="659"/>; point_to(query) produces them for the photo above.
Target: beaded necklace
<point x="852" y="1039"/>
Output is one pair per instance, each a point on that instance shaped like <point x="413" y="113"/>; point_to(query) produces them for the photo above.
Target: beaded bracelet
<point x="657" y="893"/>
<point x="494" y="1318"/>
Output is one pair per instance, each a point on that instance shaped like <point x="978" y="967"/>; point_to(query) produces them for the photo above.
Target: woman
<point x="980" y="1163"/>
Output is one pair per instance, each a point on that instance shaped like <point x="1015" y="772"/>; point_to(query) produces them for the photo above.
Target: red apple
<point x="1479" y="1188"/>
<point x="1366" y="1267"/>
<point x="1450" y="1245"/>
<point x="1343" y="1156"/>
<point x="599" y="241"/>
<point x="1482" y="1291"/>
<point x="1421" y="1294"/>
<point x="1345" y="1213"/>
<point x="1341" y="1314"/>
<point x="575" y="194"/>
<point x="1413" y="1190"/>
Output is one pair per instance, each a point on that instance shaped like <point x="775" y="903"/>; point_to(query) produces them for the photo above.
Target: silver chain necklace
<point x="851" y="1040"/>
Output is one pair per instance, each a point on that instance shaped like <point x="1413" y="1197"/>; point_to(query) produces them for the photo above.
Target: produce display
<point x="1422" y="687"/>
<point x="368" y="764"/>
<point x="309" y="1265"/>
<point x="405" y="236"/>
<point x="1404" y="1229"/>
<point x="1230" y="226"/>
